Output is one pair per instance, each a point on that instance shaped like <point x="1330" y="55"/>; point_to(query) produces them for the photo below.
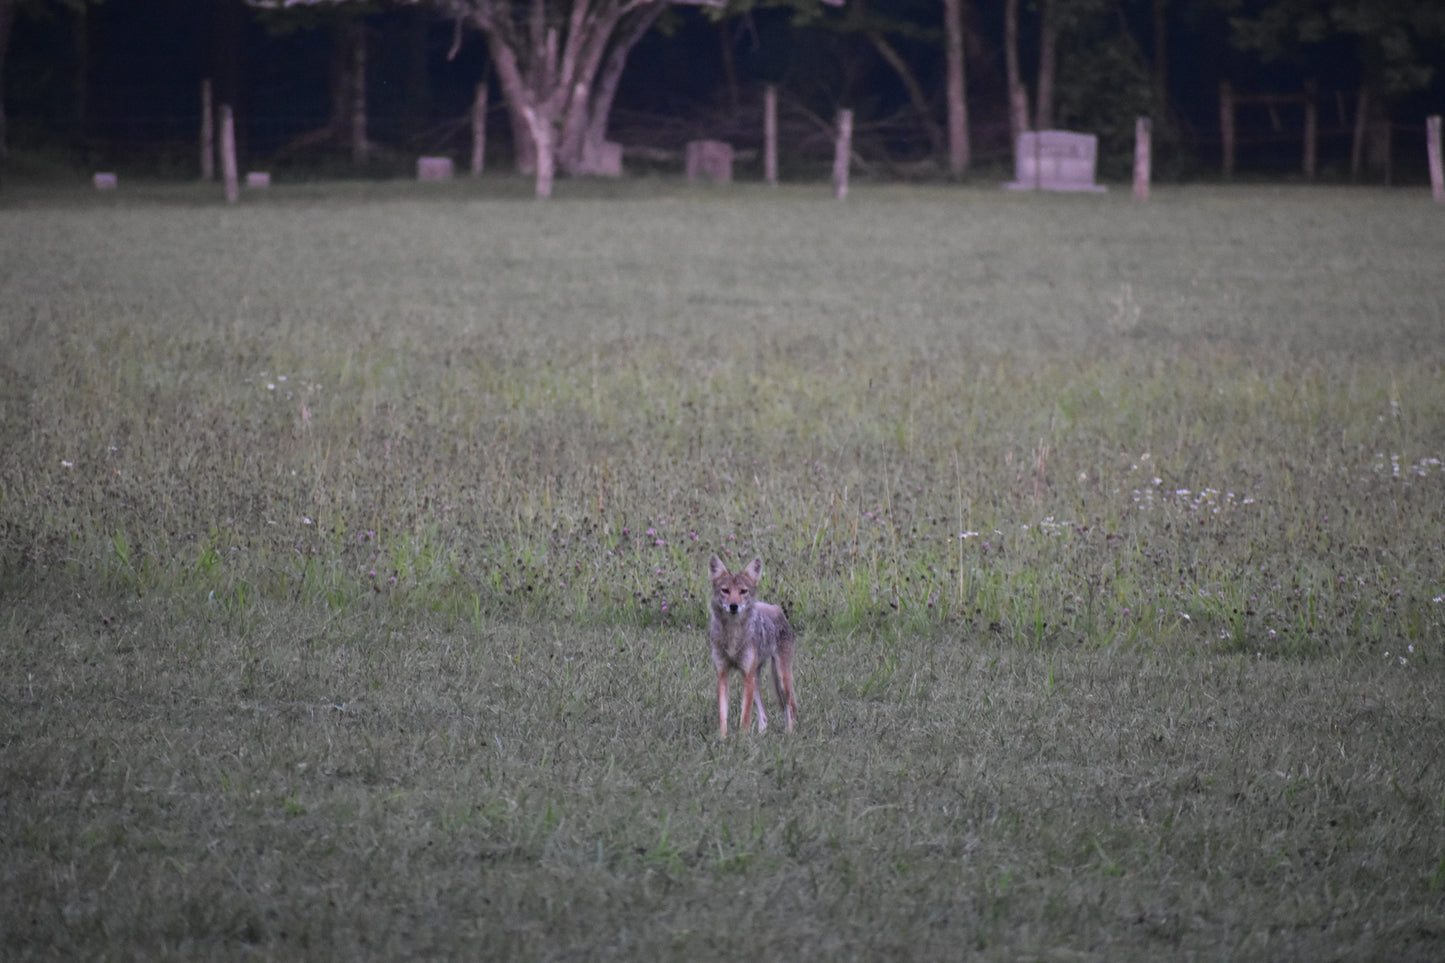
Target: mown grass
<point x="353" y="545"/>
<point x="345" y="789"/>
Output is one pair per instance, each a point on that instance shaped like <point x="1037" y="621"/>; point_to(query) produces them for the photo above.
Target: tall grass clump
<point x="1064" y="422"/>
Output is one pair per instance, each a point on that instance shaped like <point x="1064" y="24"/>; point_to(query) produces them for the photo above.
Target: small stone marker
<point x="258" y="179"/>
<point x="601" y="159"/>
<point x="433" y="168"/>
<point x="105" y="181"/>
<point x="605" y="160"/>
<point x="1055" y="160"/>
<point x="710" y="159"/>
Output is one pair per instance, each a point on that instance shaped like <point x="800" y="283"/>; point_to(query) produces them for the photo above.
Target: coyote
<point x="746" y="633"/>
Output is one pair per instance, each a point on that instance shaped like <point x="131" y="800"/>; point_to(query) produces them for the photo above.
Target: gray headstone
<point x="1055" y="160"/>
<point x="433" y="168"/>
<point x="604" y="160"/>
<point x="710" y="160"/>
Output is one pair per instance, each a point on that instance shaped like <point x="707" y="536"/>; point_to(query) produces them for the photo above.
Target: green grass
<point x="352" y="552"/>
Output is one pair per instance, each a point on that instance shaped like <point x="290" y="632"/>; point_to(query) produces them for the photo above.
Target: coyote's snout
<point x="747" y="633"/>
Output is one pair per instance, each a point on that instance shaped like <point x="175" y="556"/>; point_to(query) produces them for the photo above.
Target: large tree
<point x="956" y="88"/>
<point x="1018" y="98"/>
<point x="346" y="84"/>
<point x="1398" y="44"/>
<point x="559" y="63"/>
<point x="896" y="29"/>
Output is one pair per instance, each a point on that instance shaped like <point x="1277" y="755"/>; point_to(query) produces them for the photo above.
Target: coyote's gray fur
<point x="747" y="633"/>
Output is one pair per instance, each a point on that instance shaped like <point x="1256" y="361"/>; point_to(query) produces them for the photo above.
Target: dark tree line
<point x="935" y="84"/>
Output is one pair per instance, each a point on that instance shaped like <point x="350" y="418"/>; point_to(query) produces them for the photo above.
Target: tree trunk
<point x="479" y="129"/>
<point x="531" y="102"/>
<point x="1312" y="128"/>
<point x="227" y="56"/>
<point x="347" y="93"/>
<point x="81" y="79"/>
<point x="541" y="130"/>
<point x="1159" y="75"/>
<point x="770" y="134"/>
<point x="418" y="80"/>
<point x="958" y="146"/>
<point x="1048" y="61"/>
<point x="559" y="71"/>
<point x="1226" y="127"/>
<point x="208" y="132"/>
<point x="518" y="98"/>
<point x="914" y="89"/>
<point x="1357" y="144"/>
<point x="1017" y="97"/>
<point x="730" y="67"/>
<point x="524" y="148"/>
<point x="354" y="35"/>
<point x="580" y="158"/>
<point x="7" y="19"/>
<point x="1379" y="143"/>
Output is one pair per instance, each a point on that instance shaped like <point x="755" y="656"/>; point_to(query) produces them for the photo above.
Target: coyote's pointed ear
<point x="754" y="571"/>
<point x="715" y="568"/>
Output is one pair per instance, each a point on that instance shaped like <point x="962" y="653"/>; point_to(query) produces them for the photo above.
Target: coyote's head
<point x="733" y="594"/>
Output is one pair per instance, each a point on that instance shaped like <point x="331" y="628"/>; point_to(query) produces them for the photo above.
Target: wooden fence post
<point x="228" y="155"/>
<point x="770" y="133"/>
<point x="479" y="128"/>
<point x="1142" y="160"/>
<point x="842" y="153"/>
<point x="1432" y="148"/>
<point x="208" y="133"/>
<point x="1357" y="143"/>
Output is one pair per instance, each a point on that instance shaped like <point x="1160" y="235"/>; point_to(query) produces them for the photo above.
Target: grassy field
<point x="353" y="546"/>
